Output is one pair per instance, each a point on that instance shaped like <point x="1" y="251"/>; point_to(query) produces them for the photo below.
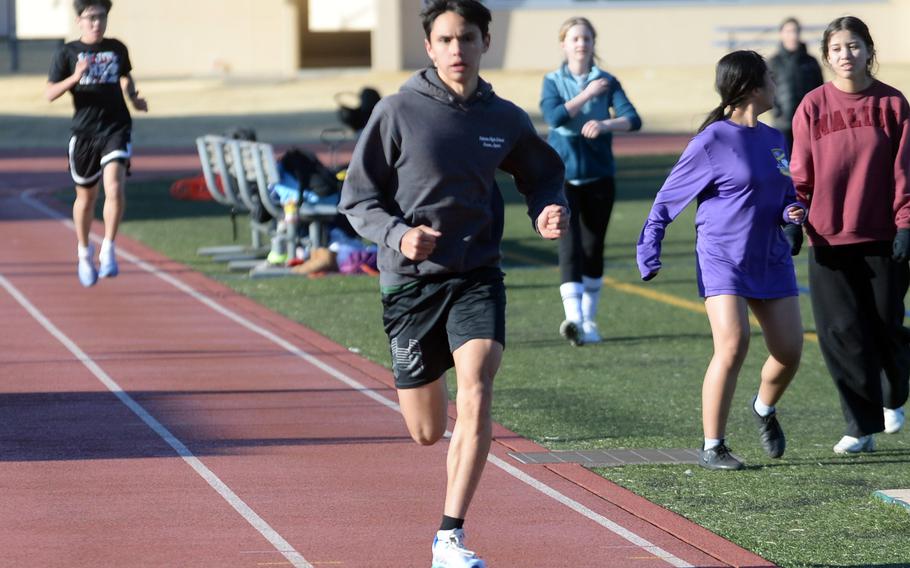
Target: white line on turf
<point x="356" y="385"/>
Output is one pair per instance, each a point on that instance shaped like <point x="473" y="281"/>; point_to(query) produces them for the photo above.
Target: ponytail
<point x="738" y="73"/>
<point x="716" y="115"/>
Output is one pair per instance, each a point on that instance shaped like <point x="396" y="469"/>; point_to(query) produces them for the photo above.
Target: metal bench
<point x="263" y="170"/>
<point x="246" y="170"/>
<point x="257" y="170"/>
<point x="219" y="169"/>
<point x="758" y="35"/>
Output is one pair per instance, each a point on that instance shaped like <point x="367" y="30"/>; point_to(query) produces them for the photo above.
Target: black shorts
<point x="89" y="154"/>
<point x="433" y="317"/>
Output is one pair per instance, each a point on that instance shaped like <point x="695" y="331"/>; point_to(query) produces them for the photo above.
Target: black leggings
<point x="858" y="302"/>
<point x="581" y="252"/>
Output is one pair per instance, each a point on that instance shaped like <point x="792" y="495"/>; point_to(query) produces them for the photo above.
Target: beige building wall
<point x="397" y="40"/>
<point x="269" y="37"/>
<point x="652" y="34"/>
<point x="198" y="37"/>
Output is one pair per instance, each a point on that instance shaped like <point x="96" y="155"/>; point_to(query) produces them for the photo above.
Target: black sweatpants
<point x="858" y="302"/>
<point x="581" y="252"/>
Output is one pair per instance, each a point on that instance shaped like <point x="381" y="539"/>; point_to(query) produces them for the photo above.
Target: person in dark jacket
<point x="795" y="73"/>
<point x="422" y="185"/>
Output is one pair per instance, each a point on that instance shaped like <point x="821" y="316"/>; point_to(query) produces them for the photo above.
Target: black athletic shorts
<point x="427" y="320"/>
<point x="88" y="155"/>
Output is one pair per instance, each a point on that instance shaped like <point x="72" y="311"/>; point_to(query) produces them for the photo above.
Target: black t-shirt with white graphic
<point x="98" y="99"/>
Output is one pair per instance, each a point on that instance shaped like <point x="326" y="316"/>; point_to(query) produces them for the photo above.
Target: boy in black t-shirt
<point x="96" y="70"/>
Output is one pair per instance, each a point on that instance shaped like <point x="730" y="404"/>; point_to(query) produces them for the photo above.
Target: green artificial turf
<point x="640" y="388"/>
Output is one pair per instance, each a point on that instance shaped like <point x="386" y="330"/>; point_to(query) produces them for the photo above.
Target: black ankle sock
<point x="449" y="523"/>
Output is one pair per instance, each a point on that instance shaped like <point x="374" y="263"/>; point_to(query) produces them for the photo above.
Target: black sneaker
<point x="719" y="458"/>
<point x="770" y="433"/>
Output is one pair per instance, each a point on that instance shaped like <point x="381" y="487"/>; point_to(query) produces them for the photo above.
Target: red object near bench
<point x="193" y="189"/>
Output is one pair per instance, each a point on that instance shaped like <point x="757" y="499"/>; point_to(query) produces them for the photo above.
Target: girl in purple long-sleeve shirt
<point x="737" y="169"/>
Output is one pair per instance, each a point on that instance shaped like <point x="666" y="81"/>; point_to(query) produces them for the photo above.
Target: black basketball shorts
<point x="429" y="319"/>
<point x="89" y="154"/>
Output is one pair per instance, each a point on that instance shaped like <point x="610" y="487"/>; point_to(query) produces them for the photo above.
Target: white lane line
<point x="356" y="385"/>
<point x="585" y="511"/>
<point x="280" y="544"/>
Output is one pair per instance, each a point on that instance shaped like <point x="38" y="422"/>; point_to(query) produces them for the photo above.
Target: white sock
<point x="571" y="300"/>
<point x="590" y="297"/>
<point x="107" y="247"/>
<point x="83" y="252"/>
<point x="761" y="408"/>
<point x="711" y="443"/>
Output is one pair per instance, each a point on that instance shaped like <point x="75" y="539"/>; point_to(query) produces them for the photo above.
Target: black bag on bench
<point x="310" y="173"/>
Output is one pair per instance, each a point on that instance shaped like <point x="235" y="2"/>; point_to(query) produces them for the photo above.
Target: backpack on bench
<point x="309" y="172"/>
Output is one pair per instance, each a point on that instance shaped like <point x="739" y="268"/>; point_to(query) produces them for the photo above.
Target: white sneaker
<point x="572" y="331"/>
<point x="449" y="551"/>
<point x="86" y="270"/>
<point x="108" y="259"/>
<point x="591" y="334"/>
<point x="894" y="420"/>
<point x="851" y="445"/>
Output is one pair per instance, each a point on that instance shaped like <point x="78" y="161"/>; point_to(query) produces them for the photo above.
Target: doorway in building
<point x="334" y="33"/>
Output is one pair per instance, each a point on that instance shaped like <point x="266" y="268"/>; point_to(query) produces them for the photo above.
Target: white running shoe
<point x="591" y="334"/>
<point x="86" y="270"/>
<point x="572" y="331"/>
<point x="894" y="420"/>
<point x="108" y="258"/>
<point x="449" y="551"/>
<point x="851" y="445"/>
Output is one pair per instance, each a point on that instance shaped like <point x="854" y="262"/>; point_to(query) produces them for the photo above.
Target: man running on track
<point x="421" y="184"/>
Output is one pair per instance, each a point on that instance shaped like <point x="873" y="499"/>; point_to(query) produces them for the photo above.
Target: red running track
<point x="159" y="419"/>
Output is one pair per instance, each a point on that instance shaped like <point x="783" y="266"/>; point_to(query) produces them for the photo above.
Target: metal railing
<point x="760" y="36"/>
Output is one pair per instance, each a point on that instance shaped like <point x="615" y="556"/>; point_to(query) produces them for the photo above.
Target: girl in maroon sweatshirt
<point x="850" y="165"/>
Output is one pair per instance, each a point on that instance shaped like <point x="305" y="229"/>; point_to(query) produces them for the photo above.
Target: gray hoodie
<point x="426" y="158"/>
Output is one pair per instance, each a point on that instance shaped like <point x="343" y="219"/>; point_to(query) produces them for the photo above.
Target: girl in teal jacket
<point x="576" y="102"/>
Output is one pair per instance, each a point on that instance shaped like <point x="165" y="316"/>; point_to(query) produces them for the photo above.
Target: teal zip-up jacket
<point x="585" y="158"/>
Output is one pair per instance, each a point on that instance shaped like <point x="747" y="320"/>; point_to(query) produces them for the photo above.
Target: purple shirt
<point x="740" y="176"/>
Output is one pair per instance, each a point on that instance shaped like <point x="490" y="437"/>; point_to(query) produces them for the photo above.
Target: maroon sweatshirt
<point x="851" y="162"/>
